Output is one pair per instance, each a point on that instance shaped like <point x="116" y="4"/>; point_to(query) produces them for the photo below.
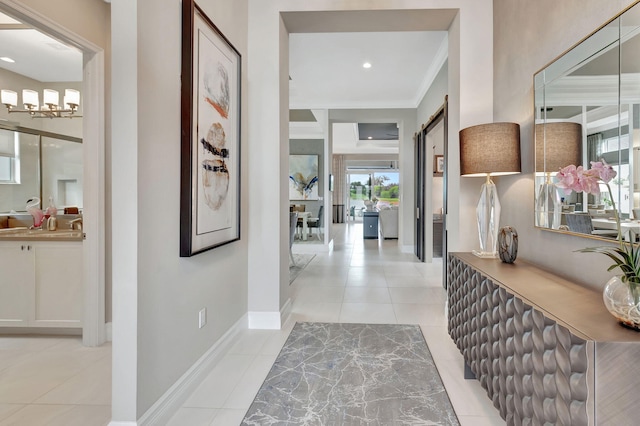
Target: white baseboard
<point x="264" y="320"/>
<point x="112" y="423"/>
<point x="108" y="331"/>
<point x="407" y="249"/>
<point x="270" y="320"/>
<point x="285" y="312"/>
<point x="169" y="403"/>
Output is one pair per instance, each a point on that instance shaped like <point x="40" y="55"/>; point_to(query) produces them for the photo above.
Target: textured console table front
<point x="545" y="349"/>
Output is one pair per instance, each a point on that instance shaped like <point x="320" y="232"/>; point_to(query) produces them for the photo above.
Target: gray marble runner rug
<point x="352" y="374"/>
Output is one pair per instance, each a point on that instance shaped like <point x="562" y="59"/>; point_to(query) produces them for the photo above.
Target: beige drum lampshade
<point x="558" y="145"/>
<point x="492" y="148"/>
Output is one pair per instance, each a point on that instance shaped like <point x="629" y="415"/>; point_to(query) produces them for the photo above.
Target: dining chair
<point x="581" y="223"/>
<point x="316" y="222"/>
<point x="293" y="220"/>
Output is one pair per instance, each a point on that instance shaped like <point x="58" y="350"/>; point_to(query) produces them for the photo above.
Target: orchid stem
<point x="615" y="212"/>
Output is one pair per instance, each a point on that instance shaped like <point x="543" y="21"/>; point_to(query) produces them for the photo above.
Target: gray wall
<point x="172" y="289"/>
<point x="528" y="35"/>
<point x="157" y="294"/>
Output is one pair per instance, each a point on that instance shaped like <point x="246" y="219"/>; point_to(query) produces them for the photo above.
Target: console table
<point x="545" y="349"/>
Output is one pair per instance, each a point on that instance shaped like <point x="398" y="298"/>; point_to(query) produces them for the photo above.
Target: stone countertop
<point x="23" y="234"/>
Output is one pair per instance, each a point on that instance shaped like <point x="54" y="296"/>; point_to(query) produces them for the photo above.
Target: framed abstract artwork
<point x="210" y="140"/>
<point x="438" y="164"/>
<point x="303" y="177"/>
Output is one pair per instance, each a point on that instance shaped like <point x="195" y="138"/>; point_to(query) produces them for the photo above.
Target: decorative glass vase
<point x="622" y="302"/>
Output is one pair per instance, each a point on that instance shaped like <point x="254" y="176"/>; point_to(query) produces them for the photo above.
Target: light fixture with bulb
<point x="50" y="107"/>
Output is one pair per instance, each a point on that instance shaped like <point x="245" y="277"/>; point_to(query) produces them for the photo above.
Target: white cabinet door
<point x="17" y="272"/>
<point x="58" y="285"/>
<point x="41" y="284"/>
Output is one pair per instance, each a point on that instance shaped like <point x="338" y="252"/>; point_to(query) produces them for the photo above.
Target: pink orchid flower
<point x="605" y="171"/>
<point x="572" y="178"/>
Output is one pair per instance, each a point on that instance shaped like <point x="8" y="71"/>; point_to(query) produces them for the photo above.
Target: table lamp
<point x="558" y="145"/>
<point x="491" y="149"/>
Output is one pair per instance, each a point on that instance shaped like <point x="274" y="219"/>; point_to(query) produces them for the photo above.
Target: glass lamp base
<point x="485" y="254"/>
<point x="488" y="216"/>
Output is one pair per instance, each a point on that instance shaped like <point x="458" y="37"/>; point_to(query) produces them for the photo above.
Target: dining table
<point x="304" y="217"/>
<point x="626" y="226"/>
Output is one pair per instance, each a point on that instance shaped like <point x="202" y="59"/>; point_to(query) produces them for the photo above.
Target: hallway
<point x="365" y="281"/>
<point x="58" y="382"/>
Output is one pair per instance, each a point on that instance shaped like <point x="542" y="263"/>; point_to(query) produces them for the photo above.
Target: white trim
<point x="285" y="312"/>
<point x="94" y="201"/>
<point x="345" y="104"/>
<point x="436" y="64"/>
<point x="264" y="320"/>
<point x="123" y="424"/>
<point x="108" y="331"/>
<point x="43" y="23"/>
<point x="270" y="320"/>
<point x="170" y="402"/>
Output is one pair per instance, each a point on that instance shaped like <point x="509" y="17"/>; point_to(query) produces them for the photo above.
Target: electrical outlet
<point x="202" y="317"/>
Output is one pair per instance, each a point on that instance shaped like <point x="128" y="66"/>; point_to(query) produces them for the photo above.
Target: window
<point x="9" y="157"/>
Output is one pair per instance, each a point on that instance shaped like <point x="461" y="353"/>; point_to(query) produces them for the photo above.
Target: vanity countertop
<point x="24" y="234"/>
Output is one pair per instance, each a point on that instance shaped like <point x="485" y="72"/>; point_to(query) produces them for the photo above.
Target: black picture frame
<point x="210" y="135"/>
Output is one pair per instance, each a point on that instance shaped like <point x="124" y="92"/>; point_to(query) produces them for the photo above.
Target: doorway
<point x="430" y="150"/>
<point x="381" y="188"/>
<point x="93" y="265"/>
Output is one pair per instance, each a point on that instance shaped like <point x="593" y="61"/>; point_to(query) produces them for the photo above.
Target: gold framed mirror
<point x="587" y="108"/>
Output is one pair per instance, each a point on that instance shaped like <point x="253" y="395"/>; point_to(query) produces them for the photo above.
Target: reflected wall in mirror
<point x="587" y="108"/>
<point x="39" y="164"/>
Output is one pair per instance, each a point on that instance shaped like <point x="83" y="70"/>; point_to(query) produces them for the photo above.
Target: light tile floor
<point x="366" y="281"/>
<point x="55" y="381"/>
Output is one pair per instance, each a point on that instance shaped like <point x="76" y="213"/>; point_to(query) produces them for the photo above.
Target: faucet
<point x="76" y="224"/>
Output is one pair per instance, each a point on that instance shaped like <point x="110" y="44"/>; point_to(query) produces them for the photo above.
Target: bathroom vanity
<point x="41" y="278"/>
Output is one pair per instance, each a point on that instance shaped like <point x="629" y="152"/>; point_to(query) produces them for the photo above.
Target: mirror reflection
<point x="587" y="108"/>
<point x="39" y="164"/>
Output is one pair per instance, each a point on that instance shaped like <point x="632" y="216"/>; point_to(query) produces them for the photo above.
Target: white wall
<point x="434" y="98"/>
<point x="529" y="35"/>
<point x="157" y="294"/>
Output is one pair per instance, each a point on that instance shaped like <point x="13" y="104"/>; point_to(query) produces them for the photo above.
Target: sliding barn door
<point x="419" y="195"/>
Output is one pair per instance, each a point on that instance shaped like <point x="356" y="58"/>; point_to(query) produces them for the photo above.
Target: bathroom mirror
<point x="587" y="108"/>
<point x="36" y="163"/>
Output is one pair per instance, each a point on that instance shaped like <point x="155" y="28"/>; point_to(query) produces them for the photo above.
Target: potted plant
<point x="621" y="294"/>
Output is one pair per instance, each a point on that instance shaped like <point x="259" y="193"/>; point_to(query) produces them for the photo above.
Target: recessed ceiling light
<point x="7" y="59"/>
<point x="369" y="137"/>
<point x="366" y="65"/>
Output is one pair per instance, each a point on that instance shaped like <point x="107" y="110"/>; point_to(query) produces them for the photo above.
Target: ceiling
<point x="36" y="55"/>
<point x="327" y="50"/>
<point x="327" y="72"/>
<point x="326" y="58"/>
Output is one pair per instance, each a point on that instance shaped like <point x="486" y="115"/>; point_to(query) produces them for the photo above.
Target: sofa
<point x="388" y="218"/>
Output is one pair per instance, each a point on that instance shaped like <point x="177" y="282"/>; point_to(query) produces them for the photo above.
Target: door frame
<point x="423" y="184"/>
<point x="93" y="136"/>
